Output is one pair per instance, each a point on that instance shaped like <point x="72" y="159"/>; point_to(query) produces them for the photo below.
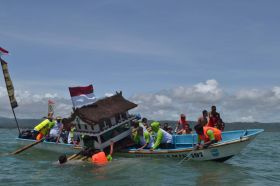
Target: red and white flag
<point x="3" y="51"/>
<point x="82" y="95"/>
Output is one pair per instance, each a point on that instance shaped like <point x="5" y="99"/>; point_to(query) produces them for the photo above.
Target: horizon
<point x="168" y="57"/>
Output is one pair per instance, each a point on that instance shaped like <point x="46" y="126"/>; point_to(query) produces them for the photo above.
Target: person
<point x="208" y="135"/>
<point x="144" y="139"/>
<point x="165" y="127"/>
<point x="203" y="120"/>
<point x="183" y="125"/>
<point x="100" y="157"/>
<point x="72" y="138"/>
<point x="162" y="138"/>
<point x="170" y="130"/>
<point x="62" y="159"/>
<point x="214" y="117"/>
<point x="42" y="129"/>
<point x="144" y="123"/>
<point x="56" y="130"/>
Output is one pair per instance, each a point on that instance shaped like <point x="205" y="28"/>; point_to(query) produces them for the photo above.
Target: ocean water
<point x="258" y="164"/>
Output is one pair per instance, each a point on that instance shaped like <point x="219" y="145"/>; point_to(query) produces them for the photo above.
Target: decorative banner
<point x="50" y="107"/>
<point x="9" y="84"/>
<point x="82" y="95"/>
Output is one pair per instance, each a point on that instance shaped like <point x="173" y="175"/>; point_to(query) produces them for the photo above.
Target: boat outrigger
<point x="233" y="142"/>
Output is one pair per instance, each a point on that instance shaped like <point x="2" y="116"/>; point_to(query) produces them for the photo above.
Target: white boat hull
<point x="51" y="146"/>
<point x="219" y="152"/>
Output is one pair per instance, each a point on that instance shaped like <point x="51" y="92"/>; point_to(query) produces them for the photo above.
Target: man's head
<point x="198" y="129"/>
<point x="62" y="159"/>
<point x="58" y="119"/>
<point x="144" y="120"/>
<point x="204" y="113"/>
<point x="140" y="131"/>
<point x="213" y="108"/>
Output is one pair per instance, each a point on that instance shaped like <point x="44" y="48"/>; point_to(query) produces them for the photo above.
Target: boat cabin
<point x="105" y="120"/>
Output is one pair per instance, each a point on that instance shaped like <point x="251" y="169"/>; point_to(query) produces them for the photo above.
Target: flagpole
<point x="16" y="120"/>
<point x="11" y="100"/>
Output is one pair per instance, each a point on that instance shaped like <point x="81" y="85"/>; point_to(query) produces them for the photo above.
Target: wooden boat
<point x="233" y="142"/>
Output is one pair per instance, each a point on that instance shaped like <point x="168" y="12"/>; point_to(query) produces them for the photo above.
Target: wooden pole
<point x="27" y="146"/>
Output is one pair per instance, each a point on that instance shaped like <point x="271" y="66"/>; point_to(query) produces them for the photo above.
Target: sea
<point x="258" y="164"/>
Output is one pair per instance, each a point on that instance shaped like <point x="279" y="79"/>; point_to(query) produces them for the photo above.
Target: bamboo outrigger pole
<point x="9" y="84"/>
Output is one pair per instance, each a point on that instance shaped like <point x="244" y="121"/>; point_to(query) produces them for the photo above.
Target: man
<point x="209" y="135"/>
<point x="214" y="117"/>
<point x="183" y="126"/>
<point x="144" y="139"/>
<point x="43" y="128"/>
<point x="162" y="138"/>
<point x="202" y="120"/>
<point x="56" y="130"/>
<point x="100" y="158"/>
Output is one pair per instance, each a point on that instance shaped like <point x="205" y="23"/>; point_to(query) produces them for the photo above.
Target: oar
<point x="27" y="147"/>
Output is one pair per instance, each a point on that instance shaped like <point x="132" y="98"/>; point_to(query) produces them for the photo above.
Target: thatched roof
<point x="102" y="109"/>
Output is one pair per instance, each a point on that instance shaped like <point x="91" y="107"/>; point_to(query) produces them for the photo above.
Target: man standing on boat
<point x="56" y="130"/>
<point x="202" y="120"/>
<point x="162" y="138"/>
<point x="43" y="128"/>
<point x="209" y="135"/>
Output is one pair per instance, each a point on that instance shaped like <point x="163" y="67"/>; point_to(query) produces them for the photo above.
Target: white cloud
<point x="243" y="105"/>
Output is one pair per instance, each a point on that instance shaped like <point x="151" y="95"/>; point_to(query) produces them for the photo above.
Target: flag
<point x="9" y="84"/>
<point x="82" y="95"/>
<point x="3" y="51"/>
<point x="50" y="107"/>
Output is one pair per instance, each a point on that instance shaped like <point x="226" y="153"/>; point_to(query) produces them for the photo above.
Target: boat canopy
<point x="102" y="109"/>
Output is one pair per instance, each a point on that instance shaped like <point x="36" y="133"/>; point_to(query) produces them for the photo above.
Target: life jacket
<point x="39" y="136"/>
<point x="217" y="134"/>
<point x="99" y="158"/>
<point x="42" y="125"/>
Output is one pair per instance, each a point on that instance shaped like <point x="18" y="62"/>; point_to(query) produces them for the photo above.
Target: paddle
<point x="27" y="147"/>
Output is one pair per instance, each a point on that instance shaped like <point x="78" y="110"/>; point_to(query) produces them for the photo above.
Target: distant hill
<point x="268" y="127"/>
<point x="23" y="123"/>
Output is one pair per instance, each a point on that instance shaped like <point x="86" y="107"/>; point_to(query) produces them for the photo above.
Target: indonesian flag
<point x="82" y="95"/>
<point x="3" y="51"/>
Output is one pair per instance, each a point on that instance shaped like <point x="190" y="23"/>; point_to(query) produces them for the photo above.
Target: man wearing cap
<point x="56" y="130"/>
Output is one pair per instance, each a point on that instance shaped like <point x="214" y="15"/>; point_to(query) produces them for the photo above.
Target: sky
<point x="169" y="57"/>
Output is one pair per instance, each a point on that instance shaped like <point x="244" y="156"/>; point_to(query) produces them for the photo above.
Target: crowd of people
<point x="209" y="126"/>
<point x="52" y="130"/>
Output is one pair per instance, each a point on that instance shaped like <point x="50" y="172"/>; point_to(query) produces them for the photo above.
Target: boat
<point x="96" y="124"/>
<point x="51" y="146"/>
<point x="184" y="147"/>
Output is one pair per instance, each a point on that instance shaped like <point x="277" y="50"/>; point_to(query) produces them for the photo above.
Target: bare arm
<point x="111" y="148"/>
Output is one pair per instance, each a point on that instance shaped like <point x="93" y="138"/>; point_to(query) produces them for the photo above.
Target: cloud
<point x="34" y="105"/>
<point x="243" y="105"/>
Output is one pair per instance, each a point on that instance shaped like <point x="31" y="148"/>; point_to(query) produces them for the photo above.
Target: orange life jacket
<point x="205" y="137"/>
<point x="99" y="158"/>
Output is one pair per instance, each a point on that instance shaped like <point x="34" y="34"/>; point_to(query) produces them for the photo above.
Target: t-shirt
<point x="55" y="130"/>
